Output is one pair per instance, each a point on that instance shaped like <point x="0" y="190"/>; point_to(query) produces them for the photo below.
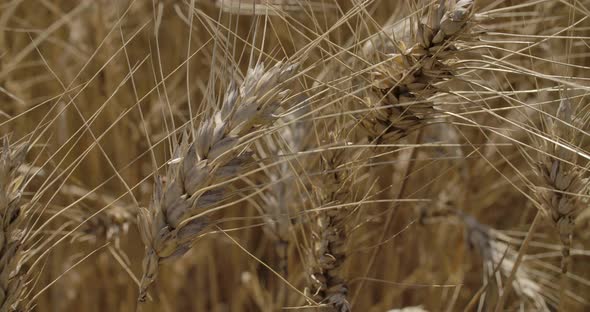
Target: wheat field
<point x="294" y="155"/>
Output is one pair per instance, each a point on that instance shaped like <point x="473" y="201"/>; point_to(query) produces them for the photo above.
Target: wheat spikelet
<point x="12" y="279"/>
<point x="210" y="159"/>
<point x="403" y="84"/>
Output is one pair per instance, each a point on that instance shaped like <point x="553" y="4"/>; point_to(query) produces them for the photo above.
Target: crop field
<point x="295" y="155"/>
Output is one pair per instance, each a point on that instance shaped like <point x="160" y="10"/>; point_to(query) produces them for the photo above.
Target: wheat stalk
<point x="210" y="159"/>
<point x="12" y="214"/>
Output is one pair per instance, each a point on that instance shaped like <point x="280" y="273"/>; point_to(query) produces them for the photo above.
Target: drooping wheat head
<point x="213" y="156"/>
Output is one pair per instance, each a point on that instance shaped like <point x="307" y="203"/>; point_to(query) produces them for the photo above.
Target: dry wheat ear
<point x="12" y="215"/>
<point x="203" y="162"/>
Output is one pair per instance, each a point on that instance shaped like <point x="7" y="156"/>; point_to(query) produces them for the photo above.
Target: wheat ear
<point x="12" y="279"/>
<point x="404" y="82"/>
<point x="110" y="225"/>
<point x="279" y="202"/>
<point x="211" y="158"/>
<point x="500" y="256"/>
<point x="497" y="255"/>
<point x="562" y="181"/>
<point x="279" y="198"/>
<point x="328" y="284"/>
